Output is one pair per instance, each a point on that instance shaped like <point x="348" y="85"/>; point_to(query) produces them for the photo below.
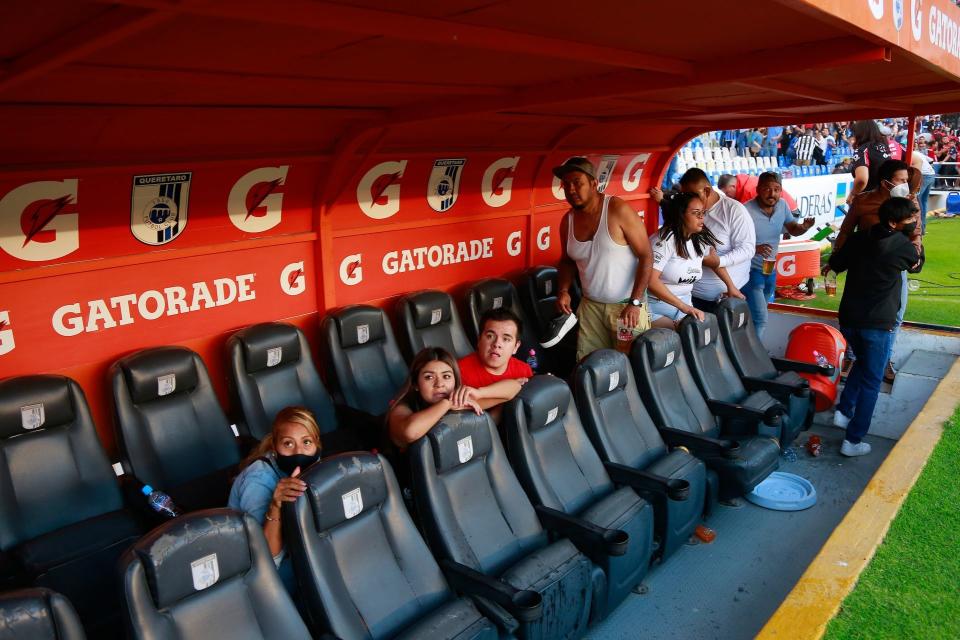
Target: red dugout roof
<point x="154" y="80"/>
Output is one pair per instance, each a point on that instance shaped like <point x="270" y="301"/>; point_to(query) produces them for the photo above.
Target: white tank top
<point x="607" y="269"/>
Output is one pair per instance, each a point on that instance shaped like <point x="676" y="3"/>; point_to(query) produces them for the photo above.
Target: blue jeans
<point x="925" y="187"/>
<point x="758" y="290"/>
<point x="862" y="389"/>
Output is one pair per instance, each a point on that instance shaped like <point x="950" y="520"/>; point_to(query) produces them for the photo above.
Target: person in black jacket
<point x="874" y="260"/>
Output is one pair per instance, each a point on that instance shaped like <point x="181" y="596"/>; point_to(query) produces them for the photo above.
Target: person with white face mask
<point x="896" y="179"/>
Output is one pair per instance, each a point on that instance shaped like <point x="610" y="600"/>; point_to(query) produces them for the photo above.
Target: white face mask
<point x="900" y="191"/>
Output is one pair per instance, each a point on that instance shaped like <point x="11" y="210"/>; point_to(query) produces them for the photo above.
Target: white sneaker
<point x="839" y="420"/>
<point x="559" y="327"/>
<point x="850" y="450"/>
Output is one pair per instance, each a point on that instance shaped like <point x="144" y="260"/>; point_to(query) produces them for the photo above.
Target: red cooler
<point x="797" y="261"/>
<point x="821" y="344"/>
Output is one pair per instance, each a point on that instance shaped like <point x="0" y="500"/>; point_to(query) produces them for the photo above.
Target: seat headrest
<point x="545" y="400"/>
<point x="662" y="346"/>
<point x="545" y="282"/>
<point x="707" y="331"/>
<point x="343" y="486"/>
<point x="269" y="345"/>
<point x="735" y="311"/>
<point x="193" y="553"/>
<point x="608" y="371"/>
<point x="430" y="308"/>
<point x="360" y="325"/>
<point x="28" y="403"/>
<point x="493" y="294"/>
<point x="458" y="438"/>
<point x="159" y="372"/>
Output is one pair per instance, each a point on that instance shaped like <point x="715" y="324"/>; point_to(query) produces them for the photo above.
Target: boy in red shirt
<point x="491" y="375"/>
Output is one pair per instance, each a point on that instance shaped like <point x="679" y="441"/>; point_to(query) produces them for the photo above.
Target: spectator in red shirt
<point x="491" y="375"/>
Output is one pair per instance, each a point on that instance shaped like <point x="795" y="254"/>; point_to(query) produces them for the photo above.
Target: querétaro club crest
<point x="158" y="210"/>
<point x="443" y="187"/>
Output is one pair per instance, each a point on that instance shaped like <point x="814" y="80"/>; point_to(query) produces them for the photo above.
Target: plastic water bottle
<point x="821" y="359"/>
<point x="160" y="502"/>
<point x="532" y="359"/>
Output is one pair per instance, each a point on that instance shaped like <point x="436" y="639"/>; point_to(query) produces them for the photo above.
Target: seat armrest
<point x="770" y="386"/>
<point x="733" y="410"/>
<point x="497" y="614"/>
<point x="673" y="488"/>
<point x="782" y="364"/>
<point x="524" y="605"/>
<point x="612" y="541"/>
<point x="700" y="444"/>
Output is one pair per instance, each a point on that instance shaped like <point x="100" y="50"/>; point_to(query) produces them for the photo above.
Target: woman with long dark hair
<point x="432" y="390"/>
<point x="681" y="248"/>
<point x="871" y="149"/>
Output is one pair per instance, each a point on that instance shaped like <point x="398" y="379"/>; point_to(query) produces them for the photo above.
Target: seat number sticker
<point x="166" y="384"/>
<point x="435" y="316"/>
<point x="552" y="415"/>
<point x="669" y="359"/>
<point x="614" y="380"/>
<point x="498" y="302"/>
<point x="32" y="416"/>
<point x="352" y="503"/>
<point x="274" y="355"/>
<point x="205" y="571"/>
<point x="740" y="320"/>
<point x="706" y="336"/>
<point x="465" y="449"/>
<point x="548" y="287"/>
<point x="363" y="333"/>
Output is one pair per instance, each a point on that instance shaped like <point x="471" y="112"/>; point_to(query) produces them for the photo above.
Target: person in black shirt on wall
<point x="871" y="151"/>
<point x="874" y="260"/>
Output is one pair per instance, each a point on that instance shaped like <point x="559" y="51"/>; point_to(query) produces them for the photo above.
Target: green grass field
<point x="911" y="588"/>
<point x="938" y="299"/>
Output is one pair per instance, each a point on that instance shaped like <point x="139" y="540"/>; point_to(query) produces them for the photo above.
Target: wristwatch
<point x="636" y="302"/>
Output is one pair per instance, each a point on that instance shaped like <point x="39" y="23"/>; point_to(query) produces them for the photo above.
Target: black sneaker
<point x="559" y="327"/>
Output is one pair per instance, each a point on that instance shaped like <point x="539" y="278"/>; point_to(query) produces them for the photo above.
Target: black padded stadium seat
<point x="476" y="514"/>
<point x="720" y="384"/>
<point x="758" y="370"/>
<point x="566" y="480"/>
<point x="208" y="574"/>
<point x="625" y="437"/>
<point x="364" y="569"/>
<point x="173" y="434"/>
<point x="38" y="614"/>
<point x="430" y="319"/>
<point x="495" y="293"/>
<point x="538" y="297"/>
<point x="62" y="521"/>
<point x="675" y="402"/>
<point x="365" y="358"/>
<point x="271" y="369"/>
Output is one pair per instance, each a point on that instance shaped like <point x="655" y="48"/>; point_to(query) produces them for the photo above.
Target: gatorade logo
<point x="34" y="223"/>
<point x="378" y="193"/>
<point x="255" y="203"/>
<point x="497" y="181"/>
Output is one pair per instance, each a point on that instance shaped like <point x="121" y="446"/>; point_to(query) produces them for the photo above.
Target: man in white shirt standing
<point x="729" y="221"/>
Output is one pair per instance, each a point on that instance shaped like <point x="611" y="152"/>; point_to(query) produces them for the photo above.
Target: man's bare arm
<point x="635" y="233"/>
<point x="565" y="270"/>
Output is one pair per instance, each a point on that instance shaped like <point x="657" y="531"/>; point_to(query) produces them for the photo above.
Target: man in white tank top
<point x="606" y="241"/>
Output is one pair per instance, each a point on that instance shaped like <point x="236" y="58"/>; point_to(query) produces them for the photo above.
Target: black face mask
<point x="908" y="228"/>
<point x="289" y="464"/>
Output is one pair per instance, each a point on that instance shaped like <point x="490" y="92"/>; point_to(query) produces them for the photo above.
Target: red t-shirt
<point x="473" y="373"/>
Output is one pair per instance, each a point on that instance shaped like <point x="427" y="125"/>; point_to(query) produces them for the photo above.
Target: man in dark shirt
<point x="874" y="260"/>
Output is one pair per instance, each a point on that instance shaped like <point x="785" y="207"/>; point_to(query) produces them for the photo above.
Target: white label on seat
<point x="548" y="287"/>
<point x="206" y="572"/>
<point x="352" y="503"/>
<point x="236" y="432"/>
<point x="118" y="469"/>
<point x="669" y="359"/>
<point x="498" y="302"/>
<point x="614" y="380"/>
<point x="465" y="449"/>
<point x="740" y="320"/>
<point x="166" y="384"/>
<point x="552" y="415"/>
<point x="706" y="336"/>
<point x="363" y="333"/>
<point x="32" y="416"/>
<point x="435" y="316"/>
<point x="274" y="355"/>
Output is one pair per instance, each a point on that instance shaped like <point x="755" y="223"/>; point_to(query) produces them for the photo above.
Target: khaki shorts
<point x="598" y="322"/>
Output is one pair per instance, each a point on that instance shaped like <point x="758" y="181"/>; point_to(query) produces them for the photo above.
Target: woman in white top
<point x="681" y="248"/>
